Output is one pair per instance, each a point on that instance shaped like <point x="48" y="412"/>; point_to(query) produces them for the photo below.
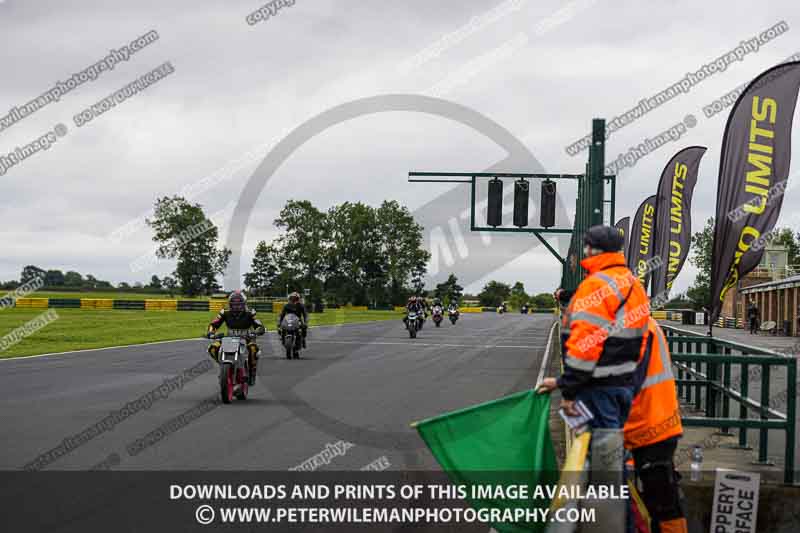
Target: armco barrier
<point x="64" y="303"/>
<point x="97" y="303"/>
<point x="192" y="305"/>
<point x="161" y="305"/>
<point x="131" y="305"/>
<point x="32" y="302"/>
<point x="470" y="309"/>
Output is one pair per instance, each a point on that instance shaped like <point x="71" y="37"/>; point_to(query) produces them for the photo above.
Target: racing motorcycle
<point x="292" y="335"/>
<point x="234" y="365"/>
<point x="413" y="324"/>
<point x="437" y="315"/>
<point x="453" y="315"/>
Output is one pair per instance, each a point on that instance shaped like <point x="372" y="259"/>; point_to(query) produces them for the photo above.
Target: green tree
<point x="401" y="251"/>
<point x="494" y="294"/>
<point x="518" y="295"/>
<point x="170" y="284"/>
<point x="544" y="300"/>
<point x="303" y="245"/>
<point x="702" y="248"/>
<point x="73" y="279"/>
<point x="54" y="278"/>
<point x="787" y="238"/>
<point x="354" y="245"/>
<point x="31" y="272"/>
<point x="264" y="269"/>
<point x="155" y="282"/>
<point x="449" y="290"/>
<point x="185" y="233"/>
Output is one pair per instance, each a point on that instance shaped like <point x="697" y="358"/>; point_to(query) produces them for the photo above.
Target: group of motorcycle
<point x="416" y="319"/>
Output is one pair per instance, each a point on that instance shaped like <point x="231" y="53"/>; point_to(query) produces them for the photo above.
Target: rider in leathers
<point x="237" y="317"/>
<point x="296" y="307"/>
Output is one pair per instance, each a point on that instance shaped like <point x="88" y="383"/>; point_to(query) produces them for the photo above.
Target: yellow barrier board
<point x="32" y="302"/>
<point x="161" y="305"/>
<point x="659" y="315"/>
<point x="96" y="303"/>
<point x="399" y="308"/>
<point x="216" y="305"/>
<point x="277" y="307"/>
<point x="471" y="309"/>
<point x="356" y="307"/>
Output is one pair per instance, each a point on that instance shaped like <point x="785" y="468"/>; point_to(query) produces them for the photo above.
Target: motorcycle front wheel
<point x="241" y="392"/>
<point x="226" y="382"/>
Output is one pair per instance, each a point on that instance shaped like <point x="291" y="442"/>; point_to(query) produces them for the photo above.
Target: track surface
<point x="362" y="384"/>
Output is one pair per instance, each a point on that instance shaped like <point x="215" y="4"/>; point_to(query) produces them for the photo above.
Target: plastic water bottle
<point x="697" y="463"/>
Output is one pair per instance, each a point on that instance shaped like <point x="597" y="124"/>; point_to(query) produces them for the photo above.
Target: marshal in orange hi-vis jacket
<point x="607" y="323"/>
<point x="655" y="415"/>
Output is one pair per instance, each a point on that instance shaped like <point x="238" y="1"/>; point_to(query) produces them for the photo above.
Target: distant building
<point x="773" y="285"/>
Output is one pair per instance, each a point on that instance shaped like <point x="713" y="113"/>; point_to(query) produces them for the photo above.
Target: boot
<point x="213" y="351"/>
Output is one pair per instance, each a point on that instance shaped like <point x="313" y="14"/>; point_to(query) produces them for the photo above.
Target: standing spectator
<point x="752" y="316"/>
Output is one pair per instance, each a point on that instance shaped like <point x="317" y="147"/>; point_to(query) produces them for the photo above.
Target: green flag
<point x="497" y="444"/>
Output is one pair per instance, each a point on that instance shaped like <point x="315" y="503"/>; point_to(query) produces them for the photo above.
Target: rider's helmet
<point x="237" y="302"/>
<point x="437" y="301"/>
<point x="294" y="297"/>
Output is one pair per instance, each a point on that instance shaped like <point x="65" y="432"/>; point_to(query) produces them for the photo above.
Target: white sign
<point x="699" y="319"/>
<point x="735" y="502"/>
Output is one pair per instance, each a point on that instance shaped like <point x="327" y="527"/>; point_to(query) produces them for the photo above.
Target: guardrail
<point x="704" y="378"/>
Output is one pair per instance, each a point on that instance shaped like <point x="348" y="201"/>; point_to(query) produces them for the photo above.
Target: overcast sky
<point x="539" y="69"/>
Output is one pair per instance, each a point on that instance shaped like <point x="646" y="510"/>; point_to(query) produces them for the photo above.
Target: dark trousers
<point x="753" y="325"/>
<point x="661" y="493"/>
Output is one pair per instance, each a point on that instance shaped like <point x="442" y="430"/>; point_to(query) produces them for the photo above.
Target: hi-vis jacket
<point x="654" y="414"/>
<point x="607" y="322"/>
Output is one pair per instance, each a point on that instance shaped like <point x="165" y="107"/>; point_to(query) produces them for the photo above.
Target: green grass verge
<point x="79" y="329"/>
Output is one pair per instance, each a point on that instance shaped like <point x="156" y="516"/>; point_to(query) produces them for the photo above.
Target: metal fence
<point x="713" y="374"/>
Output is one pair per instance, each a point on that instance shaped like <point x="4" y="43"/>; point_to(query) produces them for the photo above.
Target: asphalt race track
<point x="357" y="384"/>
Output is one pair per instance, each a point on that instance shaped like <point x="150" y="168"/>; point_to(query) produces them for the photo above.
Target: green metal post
<point x="597" y="163"/>
<point x="791" y="414"/>
<point x="763" y="433"/>
<point x="726" y="381"/>
<point x="472" y="205"/>
<point x="744" y="390"/>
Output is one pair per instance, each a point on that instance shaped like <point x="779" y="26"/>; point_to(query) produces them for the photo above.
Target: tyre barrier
<point x="136" y="305"/>
<point x="65" y="303"/>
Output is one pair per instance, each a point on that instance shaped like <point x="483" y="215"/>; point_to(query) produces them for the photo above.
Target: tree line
<point x="350" y="253"/>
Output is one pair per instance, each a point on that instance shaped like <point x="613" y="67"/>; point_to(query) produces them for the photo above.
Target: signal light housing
<point x="494" y="210"/>
<point x="521" y="193"/>
<point x="547" y="213"/>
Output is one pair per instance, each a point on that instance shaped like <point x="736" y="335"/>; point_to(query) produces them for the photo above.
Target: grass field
<point x="77" y="329"/>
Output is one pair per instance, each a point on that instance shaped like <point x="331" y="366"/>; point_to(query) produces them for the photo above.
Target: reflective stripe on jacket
<point x="655" y="415"/>
<point x="608" y="317"/>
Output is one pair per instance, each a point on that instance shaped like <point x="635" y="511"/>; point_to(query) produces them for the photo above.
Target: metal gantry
<point x="589" y="203"/>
